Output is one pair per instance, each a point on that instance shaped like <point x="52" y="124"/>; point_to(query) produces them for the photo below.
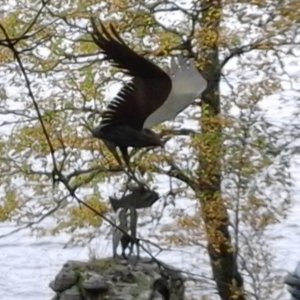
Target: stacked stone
<point x="117" y="280"/>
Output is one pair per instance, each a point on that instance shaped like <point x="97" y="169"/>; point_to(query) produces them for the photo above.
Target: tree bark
<point x="220" y="247"/>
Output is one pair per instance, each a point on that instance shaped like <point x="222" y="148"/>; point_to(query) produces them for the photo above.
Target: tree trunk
<point x="220" y="248"/>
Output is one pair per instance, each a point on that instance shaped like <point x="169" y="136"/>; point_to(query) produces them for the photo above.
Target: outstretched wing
<point x="187" y="85"/>
<point x="145" y="93"/>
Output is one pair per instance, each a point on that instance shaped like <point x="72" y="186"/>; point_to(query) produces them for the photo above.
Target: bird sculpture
<point x="151" y="96"/>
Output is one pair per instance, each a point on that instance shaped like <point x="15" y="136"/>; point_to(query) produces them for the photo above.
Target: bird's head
<point x="153" y="137"/>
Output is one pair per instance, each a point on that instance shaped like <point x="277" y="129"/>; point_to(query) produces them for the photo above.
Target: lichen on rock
<point x="118" y="279"/>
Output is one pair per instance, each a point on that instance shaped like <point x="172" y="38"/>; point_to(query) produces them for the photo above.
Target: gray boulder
<point x="118" y="279"/>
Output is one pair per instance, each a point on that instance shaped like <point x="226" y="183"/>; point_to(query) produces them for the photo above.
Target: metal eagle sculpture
<point x="151" y="97"/>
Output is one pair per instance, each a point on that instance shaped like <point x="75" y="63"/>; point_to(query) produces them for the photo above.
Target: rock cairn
<point x="117" y="279"/>
<point x="126" y="276"/>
